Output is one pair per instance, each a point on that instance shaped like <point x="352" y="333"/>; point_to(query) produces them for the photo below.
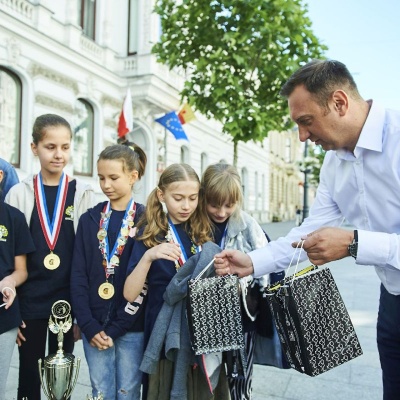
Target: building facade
<point x="77" y="58"/>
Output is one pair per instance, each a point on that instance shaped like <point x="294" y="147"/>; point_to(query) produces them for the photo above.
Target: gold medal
<point x="124" y="231"/>
<point x="106" y="290"/>
<point x="51" y="261"/>
<point x="101" y="234"/>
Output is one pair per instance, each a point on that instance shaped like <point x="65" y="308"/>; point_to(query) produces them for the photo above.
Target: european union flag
<point x="172" y="123"/>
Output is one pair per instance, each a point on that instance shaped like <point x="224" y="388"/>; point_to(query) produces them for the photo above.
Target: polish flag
<point x="125" y="123"/>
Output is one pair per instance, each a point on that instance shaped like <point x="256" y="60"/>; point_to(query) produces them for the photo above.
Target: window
<point x="133" y="27"/>
<point x="87" y="16"/>
<point x="185" y="155"/>
<point x="83" y="138"/>
<point x="10" y="116"/>
<point x="244" y="178"/>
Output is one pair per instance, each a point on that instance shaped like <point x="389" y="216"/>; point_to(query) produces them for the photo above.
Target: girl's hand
<point x="9" y="294"/>
<point x="166" y="251"/>
<point x="20" y="337"/>
<point x="101" y="341"/>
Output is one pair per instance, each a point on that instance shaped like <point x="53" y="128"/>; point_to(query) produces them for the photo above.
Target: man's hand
<point x="233" y="262"/>
<point x="326" y="244"/>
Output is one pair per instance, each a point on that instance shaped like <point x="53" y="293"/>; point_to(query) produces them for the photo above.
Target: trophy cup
<point x="59" y="372"/>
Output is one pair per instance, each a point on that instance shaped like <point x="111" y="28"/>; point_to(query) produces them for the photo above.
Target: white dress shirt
<point x="363" y="188"/>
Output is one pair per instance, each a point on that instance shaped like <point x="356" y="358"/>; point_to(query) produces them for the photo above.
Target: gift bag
<point x="312" y="321"/>
<point x="214" y="316"/>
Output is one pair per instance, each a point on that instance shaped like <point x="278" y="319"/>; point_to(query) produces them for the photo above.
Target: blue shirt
<point x="363" y="188"/>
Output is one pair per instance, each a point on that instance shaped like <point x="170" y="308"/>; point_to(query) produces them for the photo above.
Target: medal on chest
<point x="51" y="226"/>
<point x="111" y="258"/>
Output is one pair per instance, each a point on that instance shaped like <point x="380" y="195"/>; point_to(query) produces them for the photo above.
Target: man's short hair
<point x="321" y="78"/>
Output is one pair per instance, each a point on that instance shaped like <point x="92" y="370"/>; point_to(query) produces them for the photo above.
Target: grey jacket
<point x="171" y="327"/>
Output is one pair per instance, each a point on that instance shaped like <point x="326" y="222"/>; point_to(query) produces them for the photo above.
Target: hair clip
<point x="132" y="148"/>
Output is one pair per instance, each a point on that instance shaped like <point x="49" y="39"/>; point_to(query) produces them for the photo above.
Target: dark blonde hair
<point x="155" y="219"/>
<point x="133" y="157"/>
<point x="221" y="183"/>
<point x="46" y="121"/>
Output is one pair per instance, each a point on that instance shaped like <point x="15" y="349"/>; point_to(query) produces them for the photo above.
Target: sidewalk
<point x="357" y="379"/>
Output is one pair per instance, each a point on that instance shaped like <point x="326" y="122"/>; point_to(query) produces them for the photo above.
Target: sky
<point x="364" y="35"/>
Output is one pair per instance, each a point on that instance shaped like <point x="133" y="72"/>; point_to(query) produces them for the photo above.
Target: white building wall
<point x="42" y="42"/>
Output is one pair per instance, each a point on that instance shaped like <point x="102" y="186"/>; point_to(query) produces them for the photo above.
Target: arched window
<point x="10" y="116"/>
<point x="185" y="156"/>
<point x="83" y="138"/>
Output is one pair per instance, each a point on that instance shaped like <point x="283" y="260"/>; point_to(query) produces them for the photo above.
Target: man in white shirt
<point x="359" y="182"/>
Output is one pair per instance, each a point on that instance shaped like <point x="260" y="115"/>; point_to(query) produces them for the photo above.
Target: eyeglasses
<point x="2" y="305"/>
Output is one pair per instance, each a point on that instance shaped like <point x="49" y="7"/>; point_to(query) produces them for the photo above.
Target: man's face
<point x="315" y="122"/>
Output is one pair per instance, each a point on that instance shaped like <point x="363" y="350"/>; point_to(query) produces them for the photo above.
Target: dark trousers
<point x="388" y="336"/>
<point x="34" y="349"/>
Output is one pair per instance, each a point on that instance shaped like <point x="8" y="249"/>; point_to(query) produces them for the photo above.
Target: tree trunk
<point x="235" y="154"/>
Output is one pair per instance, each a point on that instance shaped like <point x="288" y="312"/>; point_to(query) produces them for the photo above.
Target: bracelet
<point x="6" y="287"/>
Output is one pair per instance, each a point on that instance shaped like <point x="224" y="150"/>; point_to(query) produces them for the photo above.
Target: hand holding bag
<point x="312" y="321"/>
<point x="214" y="316"/>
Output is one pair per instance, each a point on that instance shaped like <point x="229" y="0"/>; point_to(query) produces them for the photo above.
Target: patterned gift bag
<point x="312" y="321"/>
<point x="214" y="316"/>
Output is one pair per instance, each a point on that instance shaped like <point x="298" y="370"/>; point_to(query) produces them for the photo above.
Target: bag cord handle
<point x="204" y="270"/>
<point x="298" y="247"/>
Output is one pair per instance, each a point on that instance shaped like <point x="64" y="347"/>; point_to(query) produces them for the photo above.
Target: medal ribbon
<point x="112" y="258"/>
<point x="176" y="239"/>
<point x="51" y="228"/>
<point x="223" y="238"/>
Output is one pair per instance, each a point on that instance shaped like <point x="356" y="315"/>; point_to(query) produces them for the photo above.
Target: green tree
<point x="237" y="55"/>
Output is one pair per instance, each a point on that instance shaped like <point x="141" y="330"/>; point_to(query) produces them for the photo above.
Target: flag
<point x="186" y="114"/>
<point x="125" y="123"/>
<point x="172" y="123"/>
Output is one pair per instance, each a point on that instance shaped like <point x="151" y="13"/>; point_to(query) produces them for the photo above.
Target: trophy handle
<point x="47" y="394"/>
<point x="77" y="363"/>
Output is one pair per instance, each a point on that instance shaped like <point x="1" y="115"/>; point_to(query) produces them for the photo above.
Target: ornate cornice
<point x="53" y="103"/>
<point x="112" y="101"/>
<point x="41" y="70"/>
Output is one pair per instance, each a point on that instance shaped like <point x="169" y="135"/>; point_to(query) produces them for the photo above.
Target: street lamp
<point x="306" y="171"/>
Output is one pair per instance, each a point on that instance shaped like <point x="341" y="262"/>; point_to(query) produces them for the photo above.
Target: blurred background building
<point x="77" y="58"/>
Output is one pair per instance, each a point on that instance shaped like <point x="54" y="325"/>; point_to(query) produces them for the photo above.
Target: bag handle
<point x="203" y="270"/>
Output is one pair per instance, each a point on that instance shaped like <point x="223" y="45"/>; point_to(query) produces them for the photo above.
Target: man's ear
<point x="1" y="175"/>
<point x="340" y="102"/>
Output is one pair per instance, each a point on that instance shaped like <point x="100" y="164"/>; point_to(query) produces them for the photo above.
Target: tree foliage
<point x="237" y="55"/>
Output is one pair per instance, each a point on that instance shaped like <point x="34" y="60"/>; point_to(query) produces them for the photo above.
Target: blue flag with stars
<point x="171" y="122"/>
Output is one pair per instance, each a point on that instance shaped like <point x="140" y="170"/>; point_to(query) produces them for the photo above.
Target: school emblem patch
<point x="3" y="233"/>
<point x="69" y="213"/>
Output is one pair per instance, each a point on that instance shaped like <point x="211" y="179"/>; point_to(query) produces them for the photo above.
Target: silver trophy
<point x="59" y="372"/>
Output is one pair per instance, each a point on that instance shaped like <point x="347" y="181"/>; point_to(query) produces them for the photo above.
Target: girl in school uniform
<point x="112" y="328"/>
<point x="52" y="203"/>
<point x="15" y="243"/>
<point x="172" y="230"/>
<point x="234" y="229"/>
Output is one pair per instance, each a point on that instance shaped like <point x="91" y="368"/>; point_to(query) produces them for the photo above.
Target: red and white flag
<point x="125" y="123"/>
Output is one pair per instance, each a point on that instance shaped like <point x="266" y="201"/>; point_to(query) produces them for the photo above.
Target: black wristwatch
<point x="353" y="246"/>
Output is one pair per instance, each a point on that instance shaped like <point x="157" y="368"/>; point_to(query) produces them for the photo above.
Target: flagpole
<point x="165" y="148"/>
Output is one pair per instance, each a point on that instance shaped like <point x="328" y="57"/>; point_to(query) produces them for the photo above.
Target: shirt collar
<point x="371" y="137"/>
